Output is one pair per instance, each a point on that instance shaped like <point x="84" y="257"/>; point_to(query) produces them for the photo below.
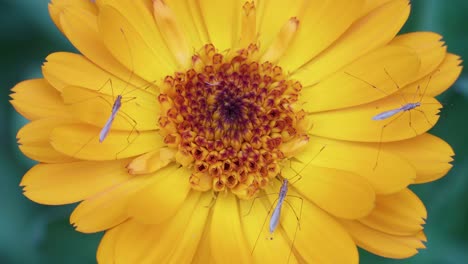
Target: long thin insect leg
<point x="97" y="136"/>
<point x="91" y="98"/>
<point x="381" y="138"/>
<point x="368" y="83"/>
<point x="129" y="141"/>
<point x="263" y="226"/>
<point x="131" y="61"/>
<point x="416" y="93"/>
<point x="109" y="81"/>
<point x="251" y="205"/>
<point x="129" y="99"/>
<point x="425" y="116"/>
<point x="425" y="89"/>
<point x="398" y="88"/>
<point x="298" y="174"/>
<point x="213" y="199"/>
<point x="298" y="226"/>
<point x="130" y="121"/>
<point x="294" y="211"/>
<point x="84" y="145"/>
<point x="411" y="123"/>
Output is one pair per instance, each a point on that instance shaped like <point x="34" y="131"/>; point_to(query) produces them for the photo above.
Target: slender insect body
<point x="408" y="107"/>
<point x="275" y="216"/>
<point x="277" y="206"/>
<point x="117" y="114"/>
<point x="115" y="109"/>
<point x="387" y="114"/>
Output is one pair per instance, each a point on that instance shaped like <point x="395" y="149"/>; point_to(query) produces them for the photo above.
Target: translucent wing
<point x="115" y="108"/>
<point x="387" y="114"/>
<point x="274" y="221"/>
<point x="105" y="130"/>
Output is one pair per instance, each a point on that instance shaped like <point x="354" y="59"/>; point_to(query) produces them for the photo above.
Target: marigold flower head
<point x="180" y="119"/>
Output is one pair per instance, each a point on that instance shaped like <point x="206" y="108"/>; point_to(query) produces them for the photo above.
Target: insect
<point x="408" y="106"/>
<point x="125" y="120"/>
<point x="413" y="105"/>
<point x="278" y="205"/>
<point x="115" y="108"/>
<point x="275" y="216"/>
<point x="387" y="114"/>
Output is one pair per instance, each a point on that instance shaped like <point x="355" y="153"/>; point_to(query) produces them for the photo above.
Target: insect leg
<point x="381" y="138"/>
<point x="133" y="123"/>
<point x="298" y="225"/>
<point x="253" y="201"/>
<point x="411" y="124"/>
<point x="263" y="226"/>
<point x="425" y="116"/>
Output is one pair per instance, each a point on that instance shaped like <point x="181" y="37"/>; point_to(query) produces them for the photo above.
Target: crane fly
<point x="277" y="205"/>
<point x="407" y="107"/>
<point x="115" y="108"/>
<point x="116" y="105"/>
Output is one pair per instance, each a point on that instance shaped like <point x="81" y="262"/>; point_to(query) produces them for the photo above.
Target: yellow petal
<point x="35" y="99"/>
<point x="106" y="250"/>
<point x="180" y="236"/>
<point x="172" y="33"/>
<point x="66" y="183"/>
<point x="392" y="174"/>
<point x="203" y="253"/>
<point x="428" y="154"/>
<point x="271" y="16"/>
<point x="188" y="16"/>
<point x="281" y="43"/>
<point x="161" y="200"/>
<point x="107" y="208"/>
<point x="370" y="5"/>
<point x="140" y="243"/>
<point x="382" y="244"/>
<point x="57" y="6"/>
<point x="429" y="47"/>
<point x="140" y="48"/>
<point x="80" y="27"/>
<point x="139" y="111"/>
<point x="400" y="214"/>
<point x="227" y="238"/>
<point x="338" y="192"/>
<point x="34" y="140"/>
<point x="366" y="34"/>
<point x="371" y="77"/>
<point x="128" y="232"/>
<point x="222" y="21"/>
<point x="67" y="69"/>
<point x="318" y="29"/>
<point x="294" y="146"/>
<point x="439" y="80"/>
<point x="139" y="16"/>
<point x="319" y="235"/>
<point x="248" y="33"/>
<point x="151" y="161"/>
<point x="82" y="141"/>
<point x="356" y="124"/>
<point x="265" y="247"/>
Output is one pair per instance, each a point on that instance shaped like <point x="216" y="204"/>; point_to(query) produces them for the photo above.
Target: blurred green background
<point x="32" y="233"/>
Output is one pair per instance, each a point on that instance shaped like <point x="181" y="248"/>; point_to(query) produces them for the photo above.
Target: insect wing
<point x="275" y="216"/>
<point x="105" y="130"/>
<point x="386" y="114"/>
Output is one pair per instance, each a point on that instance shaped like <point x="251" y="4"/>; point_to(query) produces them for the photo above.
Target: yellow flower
<point x="221" y="101"/>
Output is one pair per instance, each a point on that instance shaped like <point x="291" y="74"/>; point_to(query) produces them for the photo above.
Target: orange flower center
<point x="228" y="117"/>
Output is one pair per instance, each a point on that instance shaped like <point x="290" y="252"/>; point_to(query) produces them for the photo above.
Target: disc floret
<point x="228" y="117"/>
